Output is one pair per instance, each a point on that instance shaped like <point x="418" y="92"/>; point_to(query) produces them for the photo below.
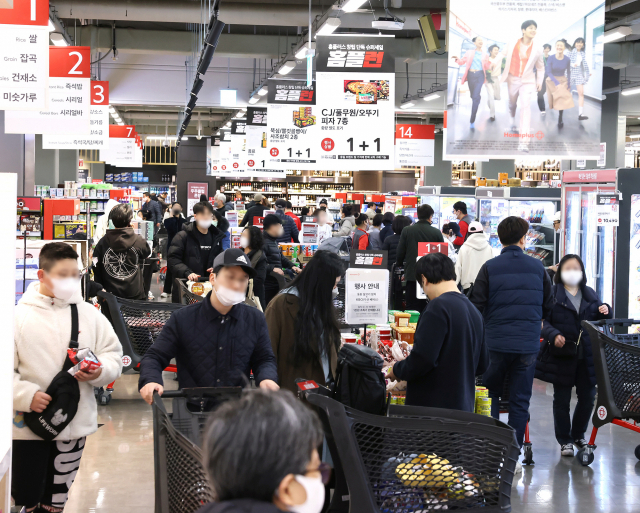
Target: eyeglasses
<point x="325" y="472"/>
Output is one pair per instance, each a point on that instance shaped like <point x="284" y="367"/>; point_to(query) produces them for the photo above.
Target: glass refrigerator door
<point x="446" y="208"/>
<point x="572" y="217"/>
<point x="434" y="201"/>
<point x="492" y="211"/>
<point x="634" y="259"/>
<point x="539" y="214"/>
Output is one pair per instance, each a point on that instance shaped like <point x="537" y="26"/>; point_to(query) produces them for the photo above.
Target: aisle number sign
<point x="367" y="296"/>
<point x="124" y="147"/>
<point x="24" y="54"/>
<point x="292" y="130"/>
<point x="415" y="145"/>
<point x="69" y="97"/>
<point x="356" y="90"/>
<point x="98" y="137"/>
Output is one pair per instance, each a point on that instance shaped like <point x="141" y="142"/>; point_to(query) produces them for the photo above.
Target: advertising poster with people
<point x="524" y="78"/>
<point x="356" y="91"/>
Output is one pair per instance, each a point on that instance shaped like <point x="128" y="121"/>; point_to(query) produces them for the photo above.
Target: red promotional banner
<point x="70" y="61"/>
<point x="590" y="175"/>
<point x="99" y="92"/>
<point x="122" y="131"/>
<point x="26" y="12"/>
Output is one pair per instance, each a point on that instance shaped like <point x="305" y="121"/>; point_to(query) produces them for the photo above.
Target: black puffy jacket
<point x="211" y="349"/>
<point x="273" y="253"/>
<point x="239" y="506"/>
<point x="290" y="229"/>
<point x="565" y="321"/>
<point x="183" y="256"/>
<point x="254" y="211"/>
<point x="156" y="211"/>
<point x="390" y="244"/>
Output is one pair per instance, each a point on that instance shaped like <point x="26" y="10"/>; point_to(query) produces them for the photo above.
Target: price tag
<point x="607" y="209"/>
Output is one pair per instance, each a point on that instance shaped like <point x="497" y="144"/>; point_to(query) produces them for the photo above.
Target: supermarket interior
<point x="420" y="220"/>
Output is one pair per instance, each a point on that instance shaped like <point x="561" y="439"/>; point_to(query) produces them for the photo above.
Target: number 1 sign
<point x="69" y="97"/>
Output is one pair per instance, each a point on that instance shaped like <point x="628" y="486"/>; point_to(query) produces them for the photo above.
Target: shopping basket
<point x="417" y="459"/>
<point x="181" y="483"/>
<point x="137" y="325"/>
<point x="616" y="357"/>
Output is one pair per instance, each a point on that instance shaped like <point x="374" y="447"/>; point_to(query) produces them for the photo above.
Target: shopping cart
<point x="187" y="297"/>
<point x="617" y="361"/>
<point x="181" y="483"/>
<point x="417" y="459"/>
<point x="527" y="446"/>
<point x="137" y="325"/>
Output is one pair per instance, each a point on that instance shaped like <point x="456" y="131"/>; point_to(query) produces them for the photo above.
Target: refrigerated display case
<point x="596" y="245"/>
<point x="442" y="200"/>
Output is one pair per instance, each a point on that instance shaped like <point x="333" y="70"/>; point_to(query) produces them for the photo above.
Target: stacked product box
<point x="144" y="229"/>
<point x="302" y="117"/>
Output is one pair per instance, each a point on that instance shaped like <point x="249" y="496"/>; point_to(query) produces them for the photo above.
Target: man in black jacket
<point x="276" y="261"/>
<point x="154" y="208"/>
<point x="119" y="256"/>
<point x="289" y="229"/>
<point x="194" y="248"/>
<point x="216" y="342"/>
<point x="255" y="208"/>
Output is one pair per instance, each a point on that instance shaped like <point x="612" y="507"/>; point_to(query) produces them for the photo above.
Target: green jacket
<point x="422" y="231"/>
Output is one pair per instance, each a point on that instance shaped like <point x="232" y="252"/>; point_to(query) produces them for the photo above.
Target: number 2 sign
<point x="70" y="61"/>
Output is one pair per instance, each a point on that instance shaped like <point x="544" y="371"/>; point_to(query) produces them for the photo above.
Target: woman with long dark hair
<point x="566" y="356"/>
<point x="579" y="73"/>
<point x="173" y="224"/>
<point x="251" y="242"/>
<point x="303" y="328"/>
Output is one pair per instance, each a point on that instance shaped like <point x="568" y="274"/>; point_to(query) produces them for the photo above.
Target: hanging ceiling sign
<point x="24" y="54"/>
<point x="292" y="129"/>
<point x="229" y="153"/>
<point x="69" y="97"/>
<point x="98" y="137"/>
<point x="415" y="145"/>
<point x="257" y="154"/>
<point x="356" y="91"/>
<point x="123" y="150"/>
<point x="213" y="155"/>
<point x="238" y="145"/>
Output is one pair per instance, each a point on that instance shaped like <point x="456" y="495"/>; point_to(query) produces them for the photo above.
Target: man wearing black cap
<point x="216" y="342"/>
<point x="276" y="261"/>
<point x="290" y="230"/>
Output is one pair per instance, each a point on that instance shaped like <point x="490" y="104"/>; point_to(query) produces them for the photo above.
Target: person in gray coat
<point x="374" y="232"/>
<point x="347" y="223"/>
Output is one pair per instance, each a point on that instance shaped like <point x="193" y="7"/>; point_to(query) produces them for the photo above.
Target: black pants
<point x="567" y="431"/>
<point x="541" y="104"/>
<point x="43" y="472"/>
<point x="476" y="81"/>
<point x="271" y="289"/>
<point x="168" y="281"/>
<point x="413" y="303"/>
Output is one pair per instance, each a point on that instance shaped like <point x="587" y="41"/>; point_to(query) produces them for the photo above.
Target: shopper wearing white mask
<point x="216" y="342"/>
<point x="566" y="356"/>
<point x="281" y="473"/>
<point x="251" y="242"/>
<point x="193" y="249"/>
<point x="43" y="329"/>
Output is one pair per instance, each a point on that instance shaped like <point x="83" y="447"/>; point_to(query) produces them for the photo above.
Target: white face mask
<point x="229" y="297"/>
<point x="204" y="223"/>
<point x="315" y="495"/>
<point x="244" y="242"/>
<point x="65" y="288"/>
<point x="571" y="277"/>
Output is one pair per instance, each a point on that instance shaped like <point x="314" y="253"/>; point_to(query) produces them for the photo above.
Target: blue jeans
<point x="566" y="430"/>
<point x="520" y="369"/>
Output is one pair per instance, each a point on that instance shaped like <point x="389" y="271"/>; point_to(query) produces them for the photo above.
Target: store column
<point x="12" y="149"/>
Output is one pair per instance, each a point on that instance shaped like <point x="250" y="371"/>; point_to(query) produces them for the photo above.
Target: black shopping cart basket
<point x="187" y="297"/>
<point x="137" y="325"/>
<point x="181" y="483"/>
<point x="417" y="459"/>
<point x="616" y="357"/>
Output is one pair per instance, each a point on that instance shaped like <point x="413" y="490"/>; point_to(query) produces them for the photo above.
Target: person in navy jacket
<point x="513" y="292"/>
<point x="566" y="355"/>
<point x="216" y="342"/>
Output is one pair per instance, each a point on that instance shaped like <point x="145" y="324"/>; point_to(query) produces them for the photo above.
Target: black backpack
<point x="359" y="381"/>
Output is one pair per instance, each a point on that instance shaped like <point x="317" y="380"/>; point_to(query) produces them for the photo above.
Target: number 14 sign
<point x="415" y="145"/>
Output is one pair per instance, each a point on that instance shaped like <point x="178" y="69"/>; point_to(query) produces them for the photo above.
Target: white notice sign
<point x="415" y="145"/>
<point x="367" y="296"/>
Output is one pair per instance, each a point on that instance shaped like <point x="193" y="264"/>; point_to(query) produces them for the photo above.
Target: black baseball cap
<point x="232" y="258"/>
<point x="281" y="203"/>
<point x="270" y="220"/>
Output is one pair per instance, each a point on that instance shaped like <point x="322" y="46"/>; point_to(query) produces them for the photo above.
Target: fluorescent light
<point x="406" y="105"/>
<point x="58" y="39"/>
<point x="328" y="27"/>
<point x="634" y="136"/>
<point x="352" y="5"/>
<point x="263" y="90"/>
<point x="52" y="26"/>
<point x="430" y="97"/>
<point x="228" y="125"/>
<point x="112" y="109"/>
<point x="286" y="68"/>
<point x="304" y="49"/>
<point x="239" y="118"/>
<point x="630" y="91"/>
<point x="254" y="99"/>
<point x="228" y="97"/>
<point x="121" y="123"/>
<point x="616" y="33"/>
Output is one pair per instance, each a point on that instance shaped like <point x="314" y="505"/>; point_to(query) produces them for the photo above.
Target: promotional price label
<point x="24" y="54"/>
<point x="607" y="209"/>
<point x="367" y="293"/>
<point x="229" y="164"/>
<point x="356" y="88"/>
<point x="98" y="137"/>
<point x="292" y="126"/>
<point x="69" y="97"/>
<point x="415" y="145"/>
<point x="124" y="149"/>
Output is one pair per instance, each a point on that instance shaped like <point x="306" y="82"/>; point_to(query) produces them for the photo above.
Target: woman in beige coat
<point x="558" y="72"/>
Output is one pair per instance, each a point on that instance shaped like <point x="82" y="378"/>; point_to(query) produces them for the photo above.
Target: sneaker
<point x="151" y="296"/>
<point x="518" y="467"/>
<point x="472" y="126"/>
<point x="163" y="295"/>
<point x="560" y="124"/>
<point x="543" y="113"/>
<point x="566" y="450"/>
<point x="580" y="443"/>
<point x="582" y="118"/>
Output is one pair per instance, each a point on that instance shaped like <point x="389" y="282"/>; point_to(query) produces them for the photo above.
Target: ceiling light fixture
<point x="287" y="67"/>
<point x="328" y="27"/>
<point x="616" y="33"/>
<point x="254" y="99"/>
<point x="52" y="26"/>
<point x="263" y="90"/>
<point x="227" y="97"/>
<point x="352" y="5"/>
<point x="408" y="104"/>
<point x="430" y="97"/>
<point x="630" y="91"/>
<point x="112" y="109"/>
<point x="58" y="39"/>
<point x="304" y="51"/>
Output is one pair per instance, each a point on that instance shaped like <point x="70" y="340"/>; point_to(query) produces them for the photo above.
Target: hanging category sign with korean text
<point x="257" y="155"/>
<point x="356" y="89"/>
<point x="124" y="147"/>
<point x="292" y="125"/>
<point x="24" y="54"/>
<point x="230" y="164"/>
<point x="415" y="145"/>
<point x="238" y="146"/>
<point x="69" y="97"/>
<point x="98" y="137"/>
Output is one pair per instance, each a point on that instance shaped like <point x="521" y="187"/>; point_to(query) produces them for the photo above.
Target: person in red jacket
<point x="290" y="213"/>
<point x="464" y="220"/>
<point x="361" y="234"/>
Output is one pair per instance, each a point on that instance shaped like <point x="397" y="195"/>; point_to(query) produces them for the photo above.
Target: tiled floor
<point x="117" y="467"/>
